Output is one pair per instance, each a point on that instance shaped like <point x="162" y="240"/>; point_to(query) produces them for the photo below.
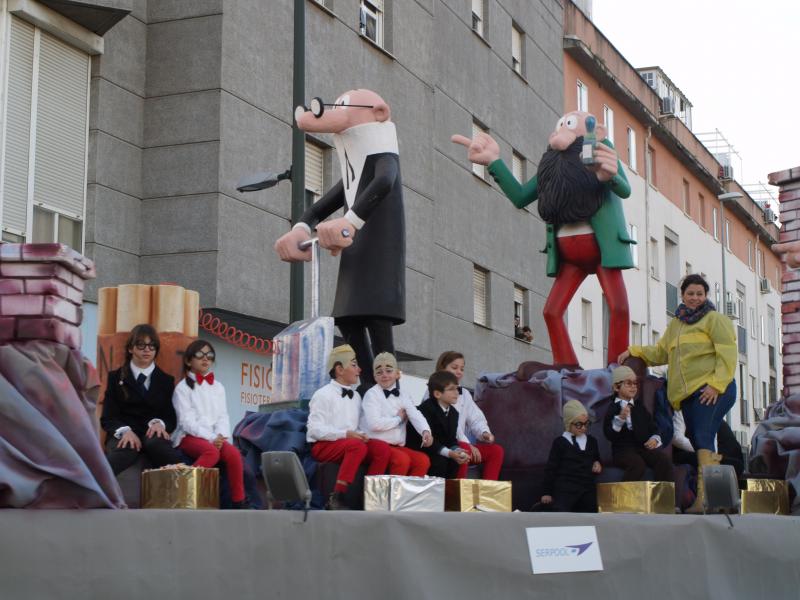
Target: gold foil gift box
<point x="397" y="493"/>
<point x="644" y="497"/>
<point x="182" y="487"/>
<point x="765" y="496"/>
<point x="477" y="495"/>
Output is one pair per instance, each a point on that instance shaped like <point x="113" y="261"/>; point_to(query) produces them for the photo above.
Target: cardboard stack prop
<point x="49" y="451"/>
<point x="171" y="309"/>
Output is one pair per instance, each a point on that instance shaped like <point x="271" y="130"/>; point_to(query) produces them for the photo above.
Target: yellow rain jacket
<point x="698" y="354"/>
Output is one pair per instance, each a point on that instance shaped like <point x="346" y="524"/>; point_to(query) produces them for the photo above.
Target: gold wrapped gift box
<point x="477" y="495"/>
<point x="644" y="497"/>
<point x="185" y="487"/>
<point x="766" y="496"/>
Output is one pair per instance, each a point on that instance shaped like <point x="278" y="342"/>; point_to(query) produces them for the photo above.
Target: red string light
<point x="236" y="337"/>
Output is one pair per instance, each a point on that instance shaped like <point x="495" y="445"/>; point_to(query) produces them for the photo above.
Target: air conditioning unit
<point x="732" y="309"/>
<point x="763" y="285"/>
<point x="725" y="172"/>
<point x="760" y="411"/>
<point x="667" y="106"/>
<point x="769" y="216"/>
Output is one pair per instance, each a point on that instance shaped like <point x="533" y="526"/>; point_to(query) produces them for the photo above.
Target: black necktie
<point x="575" y="442"/>
<point x="394" y="392"/>
<point x="347" y="392"/>
<point x="460" y="390"/>
<point x="140" y="383"/>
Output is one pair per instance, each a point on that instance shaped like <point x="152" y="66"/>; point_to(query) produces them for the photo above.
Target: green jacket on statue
<point x="608" y="223"/>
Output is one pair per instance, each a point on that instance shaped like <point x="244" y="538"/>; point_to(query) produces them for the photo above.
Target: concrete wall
<point x="191" y="95"/>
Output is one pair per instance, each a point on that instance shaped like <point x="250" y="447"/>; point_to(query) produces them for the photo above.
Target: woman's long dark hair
<point x="138" y="334"/>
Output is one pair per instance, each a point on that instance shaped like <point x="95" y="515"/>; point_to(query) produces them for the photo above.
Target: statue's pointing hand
<point x="481" y="150"/>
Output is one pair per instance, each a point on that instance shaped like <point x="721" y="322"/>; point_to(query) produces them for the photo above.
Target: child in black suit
<point x="632" y="431"/>
<point x="438" y="409"/>
<point x="574" y="461"/>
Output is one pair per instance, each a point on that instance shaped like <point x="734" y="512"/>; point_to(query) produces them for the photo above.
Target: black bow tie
<point x="394" y="392"/>
<point x="460" y="390"/>
<point x="347" y="392"/>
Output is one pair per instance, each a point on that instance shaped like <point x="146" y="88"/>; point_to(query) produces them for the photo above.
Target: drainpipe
<point x="648" y="169"/>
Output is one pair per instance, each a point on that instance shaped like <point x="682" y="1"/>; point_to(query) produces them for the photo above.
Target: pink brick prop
<point x="7" y="329"/>
<point x="49" y="329"/>
<point x="54" y="288"/>
<point x="37" y="305"/>
<point x="41" y="292"/>
<point x="789" y="199"/>
<point x="12" y="286"/>
<point x="61" y="254"/>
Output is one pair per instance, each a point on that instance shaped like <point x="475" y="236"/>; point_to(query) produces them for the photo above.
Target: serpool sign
<point x="564" y="549"/>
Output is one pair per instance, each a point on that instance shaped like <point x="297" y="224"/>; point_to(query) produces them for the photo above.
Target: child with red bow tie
<point x="203" y="425"/>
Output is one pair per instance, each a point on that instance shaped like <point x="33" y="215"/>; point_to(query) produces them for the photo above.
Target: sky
<point x="737" y="61"/>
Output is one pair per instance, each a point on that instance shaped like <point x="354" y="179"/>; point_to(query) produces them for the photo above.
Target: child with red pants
<point x="472" y="420"/>
<point x="203" y="427"/>
<point x="384" y="413"/>
<point x="333" y="416"/>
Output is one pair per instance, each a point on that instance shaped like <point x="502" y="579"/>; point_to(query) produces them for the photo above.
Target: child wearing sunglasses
<point x="632" y="431"/>
<point x="569" y="476"/>
<point x="203" y="425"/>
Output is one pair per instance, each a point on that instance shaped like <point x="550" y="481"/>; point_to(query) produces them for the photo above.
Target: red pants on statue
<point x="350" y="453"/>
<point x="491" y="459"/>
<point x="207" y="455"/>
<point x="579" y="256"/>
<point x="405" y="461"/>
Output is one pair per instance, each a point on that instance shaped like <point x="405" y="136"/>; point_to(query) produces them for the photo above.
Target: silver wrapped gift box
<point x="398" y="493"/>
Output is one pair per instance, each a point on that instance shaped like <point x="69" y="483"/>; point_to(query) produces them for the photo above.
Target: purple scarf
<point x="689" y="316"/>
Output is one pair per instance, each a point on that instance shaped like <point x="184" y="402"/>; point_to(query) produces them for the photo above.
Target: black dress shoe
<point x="243" y="505"/>
<point x="336" y="502"/>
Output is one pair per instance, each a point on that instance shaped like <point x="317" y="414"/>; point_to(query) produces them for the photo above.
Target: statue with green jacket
<point x="579" y="184"/>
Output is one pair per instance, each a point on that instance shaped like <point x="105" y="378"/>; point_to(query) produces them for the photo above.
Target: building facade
<point x="184" y="98"/>
<point x="675" y="214"/>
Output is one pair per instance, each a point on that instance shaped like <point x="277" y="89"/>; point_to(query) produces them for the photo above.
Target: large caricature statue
<point x="370" y="291"/>
<point x="579" y="185"/>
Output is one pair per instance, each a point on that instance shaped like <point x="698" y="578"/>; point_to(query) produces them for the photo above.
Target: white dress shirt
<point x="617" y="422"/>
<point x="202" y="411"/>
<point x="581" y="439"/>
<point x="147" y="372"/>
<point x="331" y="415"/>
<point x="379" y="418"/>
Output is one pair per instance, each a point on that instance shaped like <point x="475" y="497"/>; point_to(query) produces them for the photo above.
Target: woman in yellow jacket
<point x="699" y="347"/>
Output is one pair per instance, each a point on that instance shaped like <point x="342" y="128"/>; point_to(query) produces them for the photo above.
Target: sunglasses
<point x="581" y="424"/>
<point x="201" y="355"/>
<point x="144" y="346"/>
<point x="317" y="107"/>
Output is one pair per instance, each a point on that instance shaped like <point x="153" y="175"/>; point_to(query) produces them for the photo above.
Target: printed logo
<point x="565" y="551"/>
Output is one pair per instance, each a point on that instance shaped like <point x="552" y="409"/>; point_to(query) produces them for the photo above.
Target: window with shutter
<point x="314" y="169"/>
<point x="17" y="128"/>
<point x="479" y="170"/>
<point x="45" y="142"/>
<point x="477" y="16"/>
<point x="480" y="300"/>
<point x="516" y="48"/>
<point x="518" y="166"/>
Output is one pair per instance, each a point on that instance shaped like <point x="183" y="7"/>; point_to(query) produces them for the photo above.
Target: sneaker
<point x="336" y="502"/>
